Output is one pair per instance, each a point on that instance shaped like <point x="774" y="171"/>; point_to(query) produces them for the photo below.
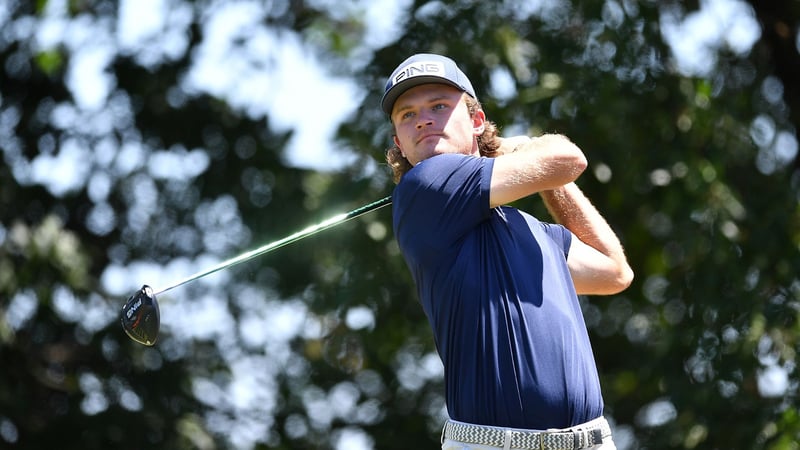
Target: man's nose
<point x="424" y="120"/>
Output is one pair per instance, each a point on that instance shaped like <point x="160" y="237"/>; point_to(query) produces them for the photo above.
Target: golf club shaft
<point x="335" y="220"/>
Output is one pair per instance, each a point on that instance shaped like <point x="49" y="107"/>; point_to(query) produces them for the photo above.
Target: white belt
<point x="573" y="438"/>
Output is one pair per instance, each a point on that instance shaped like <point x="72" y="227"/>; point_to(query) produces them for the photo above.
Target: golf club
<point x="141" y="317"/>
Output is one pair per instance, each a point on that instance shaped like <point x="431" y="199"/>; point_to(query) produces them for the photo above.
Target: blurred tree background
<point x="143" y="141"/>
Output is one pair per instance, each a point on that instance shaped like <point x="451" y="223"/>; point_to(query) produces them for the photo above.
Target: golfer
<point x="499" y="287"/>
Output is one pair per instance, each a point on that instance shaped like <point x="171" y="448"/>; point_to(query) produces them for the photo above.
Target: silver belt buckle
<point x="592" y="437"/>
<point x="597" y="436"/>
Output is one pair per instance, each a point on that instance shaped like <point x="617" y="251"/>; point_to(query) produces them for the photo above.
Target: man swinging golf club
<point x="499" y="287"/>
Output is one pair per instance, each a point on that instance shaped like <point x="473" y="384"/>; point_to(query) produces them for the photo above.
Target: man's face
<point x="432" y="119"/>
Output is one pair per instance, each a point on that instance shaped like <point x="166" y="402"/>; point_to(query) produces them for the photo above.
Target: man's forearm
<point x="570" y="207"/>
<point x="527" y="166"/>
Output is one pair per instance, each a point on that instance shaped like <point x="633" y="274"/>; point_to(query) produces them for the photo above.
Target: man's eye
<point x="407" y="115"/>
<point x="439" y="106"/>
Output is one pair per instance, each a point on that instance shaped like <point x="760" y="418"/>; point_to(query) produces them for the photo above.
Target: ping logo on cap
<point x="429" y="68"/>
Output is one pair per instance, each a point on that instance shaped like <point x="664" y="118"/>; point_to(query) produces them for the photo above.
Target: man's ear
<point x="397" y="144"/>
<point x="478" y="122"/>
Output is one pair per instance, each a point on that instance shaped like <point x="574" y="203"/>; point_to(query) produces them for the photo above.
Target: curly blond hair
<point x="488" y="143"/>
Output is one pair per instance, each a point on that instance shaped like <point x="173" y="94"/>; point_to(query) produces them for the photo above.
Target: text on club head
<point x="134" y="307"/>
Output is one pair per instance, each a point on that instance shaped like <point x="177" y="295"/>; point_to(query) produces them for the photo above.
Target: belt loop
<point x="577" y="439"/>
<point x="444" y="430"/>
<point x="507" y="440"/>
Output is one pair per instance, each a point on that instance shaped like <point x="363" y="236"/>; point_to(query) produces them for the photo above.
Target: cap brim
<point x="389" y="99"/>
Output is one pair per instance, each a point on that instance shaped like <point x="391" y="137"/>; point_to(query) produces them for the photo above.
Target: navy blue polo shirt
<point x="495" y="287"/>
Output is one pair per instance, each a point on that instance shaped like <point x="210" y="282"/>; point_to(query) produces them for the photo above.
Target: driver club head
<point x="140" y="316"/>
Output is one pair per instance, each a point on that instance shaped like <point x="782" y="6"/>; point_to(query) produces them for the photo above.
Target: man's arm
<point x="528" y="166"/>
<point x="549" y="164"/>
<point x="596" y="258"/>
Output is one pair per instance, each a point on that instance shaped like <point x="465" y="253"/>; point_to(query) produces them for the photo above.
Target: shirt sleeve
<point x="560" y="234"/>
<point x="441" y="199"/>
